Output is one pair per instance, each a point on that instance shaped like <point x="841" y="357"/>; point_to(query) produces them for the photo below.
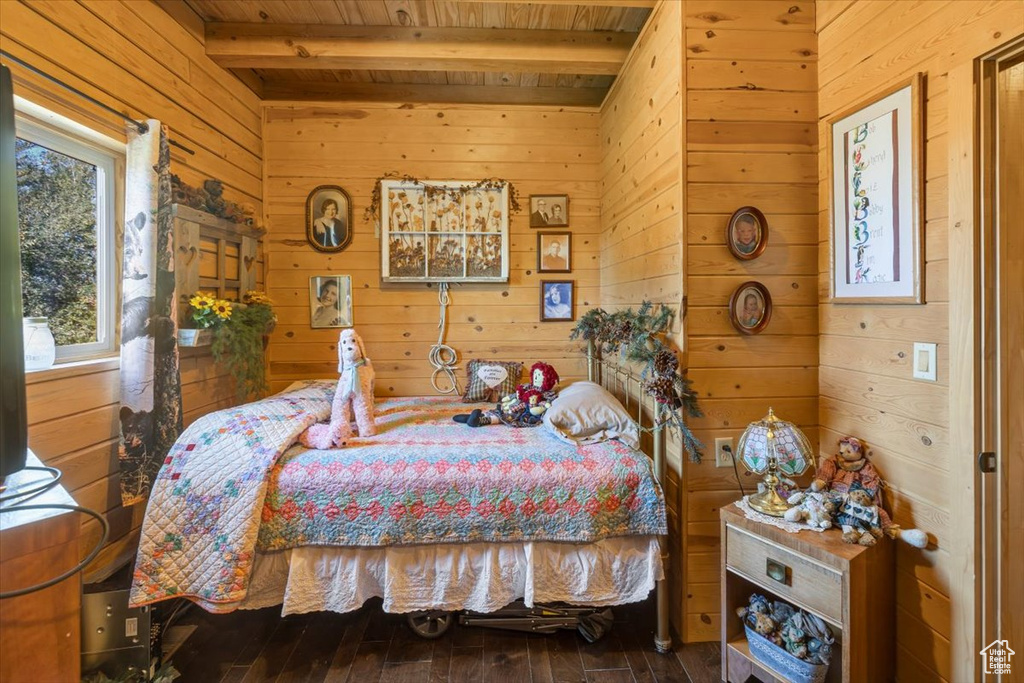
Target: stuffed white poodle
<point x="354" y="395"/>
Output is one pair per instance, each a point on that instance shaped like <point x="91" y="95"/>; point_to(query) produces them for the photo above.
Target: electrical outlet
<point x="723" y="452"/>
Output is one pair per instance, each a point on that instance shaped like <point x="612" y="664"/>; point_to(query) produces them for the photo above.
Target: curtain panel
<point x="151" y="413"/>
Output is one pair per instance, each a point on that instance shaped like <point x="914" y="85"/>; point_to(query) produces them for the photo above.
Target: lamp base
<point x="769" y="502"/>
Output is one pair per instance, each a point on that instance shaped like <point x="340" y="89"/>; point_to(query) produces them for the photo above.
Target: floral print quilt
<point x="232" y="486"/>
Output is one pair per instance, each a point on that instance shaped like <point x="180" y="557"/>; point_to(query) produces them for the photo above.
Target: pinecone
<point x="665" y="363"/>
<point x="661" y="388"/>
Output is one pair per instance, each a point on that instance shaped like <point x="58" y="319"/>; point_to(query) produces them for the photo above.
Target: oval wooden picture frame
<point x="741" y="250"/>
<point x="314" y="213"/>
<point x="737" y="302"/>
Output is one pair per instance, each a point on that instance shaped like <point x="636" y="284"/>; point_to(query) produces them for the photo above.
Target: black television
<point x="13" y="412"/>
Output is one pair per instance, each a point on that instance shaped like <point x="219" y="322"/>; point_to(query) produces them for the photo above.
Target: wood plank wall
<point x="642" y="244"/>
<point x="541" y="150"/>
<point x="750" y="140"/>
<point x="137" y="59"/>
<point x="865" y="375"/>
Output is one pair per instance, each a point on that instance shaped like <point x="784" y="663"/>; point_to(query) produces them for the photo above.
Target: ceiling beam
<point x="396" y="48"/>
<point x="305" y="91"/>
<point x="592" y="3"/>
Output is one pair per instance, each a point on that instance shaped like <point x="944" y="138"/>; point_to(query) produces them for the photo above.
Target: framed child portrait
<point x="556" y="300"/>
<point x="328" y="218"/>
<point x="554" y="252"/>
<point x="747" y="234"/>
<point x="750" y="307"/>
<point x="330" y="301"/>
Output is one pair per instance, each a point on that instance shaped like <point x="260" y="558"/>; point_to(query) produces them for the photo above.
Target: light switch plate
<point x="925" y="361"/>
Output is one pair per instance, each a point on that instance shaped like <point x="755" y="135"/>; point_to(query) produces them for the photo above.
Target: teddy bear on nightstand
<point x="840" y="473"/>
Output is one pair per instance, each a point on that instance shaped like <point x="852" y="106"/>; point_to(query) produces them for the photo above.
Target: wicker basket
<point x="776" y="658"/>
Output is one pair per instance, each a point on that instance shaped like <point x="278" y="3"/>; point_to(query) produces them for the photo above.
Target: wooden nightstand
<point x="849" y="586"/>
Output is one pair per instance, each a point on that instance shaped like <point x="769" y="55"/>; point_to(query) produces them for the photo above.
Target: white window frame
<point x="105" y="161"/>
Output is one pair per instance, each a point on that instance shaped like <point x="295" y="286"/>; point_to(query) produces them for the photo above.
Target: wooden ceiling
<point x="557" y="52"/>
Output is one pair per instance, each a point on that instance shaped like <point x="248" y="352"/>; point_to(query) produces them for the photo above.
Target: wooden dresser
<point x="849" y="586"/>
<point x="40" y="633"/>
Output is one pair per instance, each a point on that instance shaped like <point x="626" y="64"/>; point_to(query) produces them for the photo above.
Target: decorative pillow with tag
<point x="490" y="380"/>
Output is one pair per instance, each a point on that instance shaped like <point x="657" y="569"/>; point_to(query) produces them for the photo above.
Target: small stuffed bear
<point x="840" y="472"/>
<point x="859" y="516"/>
<point x="813" y="507"/>
<point x="354" y="395"/>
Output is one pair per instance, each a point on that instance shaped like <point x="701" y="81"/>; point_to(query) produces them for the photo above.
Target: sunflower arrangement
<point x="238" y="329"/>
<point x="208" y="310"/>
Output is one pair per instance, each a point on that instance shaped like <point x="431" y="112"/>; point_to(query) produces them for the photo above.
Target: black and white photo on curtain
<point x="150" y="412"/>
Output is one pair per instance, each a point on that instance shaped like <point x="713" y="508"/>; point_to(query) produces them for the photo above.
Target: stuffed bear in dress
<point x="354" y="395"/>
<point x="840" y="472"/>
<point x="859" y="516"/>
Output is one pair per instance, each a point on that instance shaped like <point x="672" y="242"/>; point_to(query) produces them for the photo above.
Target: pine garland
<point x="637" y="337"/>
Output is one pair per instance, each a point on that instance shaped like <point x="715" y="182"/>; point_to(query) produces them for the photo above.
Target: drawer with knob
<point x="795" y="577"/>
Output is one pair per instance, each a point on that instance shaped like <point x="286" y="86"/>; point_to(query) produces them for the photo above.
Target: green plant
<point x="238" y="343"/>
<point x="637" y="337"/>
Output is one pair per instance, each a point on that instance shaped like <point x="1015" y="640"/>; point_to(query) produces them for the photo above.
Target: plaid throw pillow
<point x="489" y="380"/>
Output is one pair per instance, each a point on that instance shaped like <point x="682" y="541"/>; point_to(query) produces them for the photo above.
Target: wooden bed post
<point x="662" y="638"/>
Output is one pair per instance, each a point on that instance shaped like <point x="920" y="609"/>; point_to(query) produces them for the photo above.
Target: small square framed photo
<point x="330" y="301"/>
<point x="554" y="252"/>
<point x="557" y="300"/>
<point x="549" y="210"/>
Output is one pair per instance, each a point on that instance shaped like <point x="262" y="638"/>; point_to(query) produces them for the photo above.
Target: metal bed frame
<point x="618" y="380"/>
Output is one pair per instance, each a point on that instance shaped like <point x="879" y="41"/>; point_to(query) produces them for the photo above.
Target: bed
<point x="429" y="514"/>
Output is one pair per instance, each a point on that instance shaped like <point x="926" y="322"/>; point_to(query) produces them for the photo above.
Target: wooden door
<point x="1002" y="499"/>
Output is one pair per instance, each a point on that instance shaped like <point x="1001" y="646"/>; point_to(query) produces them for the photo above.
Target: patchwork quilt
<point x="232" y="486"/>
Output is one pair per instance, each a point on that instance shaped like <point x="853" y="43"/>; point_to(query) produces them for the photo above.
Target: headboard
<point x="618" y="379"/>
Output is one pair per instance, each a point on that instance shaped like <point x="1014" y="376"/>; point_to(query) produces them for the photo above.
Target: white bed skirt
<point x="481" y="577"/>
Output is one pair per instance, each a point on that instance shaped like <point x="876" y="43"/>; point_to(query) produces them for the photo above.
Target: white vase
<point x="40" y="349"/>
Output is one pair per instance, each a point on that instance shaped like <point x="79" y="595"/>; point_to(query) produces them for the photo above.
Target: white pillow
<point x="585" y="413"/>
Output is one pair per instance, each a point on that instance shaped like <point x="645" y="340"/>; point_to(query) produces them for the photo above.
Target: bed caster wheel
<point x="429" y="625"/>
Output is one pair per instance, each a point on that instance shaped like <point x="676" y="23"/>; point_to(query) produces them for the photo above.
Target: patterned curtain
<point x="150" y="383"/>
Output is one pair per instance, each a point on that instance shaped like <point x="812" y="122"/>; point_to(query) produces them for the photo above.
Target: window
<point x="66" y="190"/>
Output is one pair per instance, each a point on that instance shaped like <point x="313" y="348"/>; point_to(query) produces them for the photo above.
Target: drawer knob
<point x="777" y="571"/>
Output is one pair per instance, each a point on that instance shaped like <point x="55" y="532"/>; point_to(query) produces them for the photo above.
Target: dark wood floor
<point x="370" y="646"/>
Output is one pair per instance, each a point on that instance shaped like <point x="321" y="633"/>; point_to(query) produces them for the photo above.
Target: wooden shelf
<point x="748" y="665"/>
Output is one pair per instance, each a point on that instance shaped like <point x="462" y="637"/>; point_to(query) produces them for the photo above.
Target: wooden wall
<point x="540" y="150"/>
<point x="865" y="375"/>
<point x="641" y="208"/>
<point x="137" y="59"/>
<point x="750" y="140"/>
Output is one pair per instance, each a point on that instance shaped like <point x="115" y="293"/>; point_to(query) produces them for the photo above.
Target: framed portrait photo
<point x="328" y="218"/>
<point x="747" y="234"/>
<point x="876" y="192"/>
<point x="549" y="210"/>
<point x="554" y="252"/>
<point x="330" y="301"/>
<point x="557" y="299"/>
<point x="750" y="307"/>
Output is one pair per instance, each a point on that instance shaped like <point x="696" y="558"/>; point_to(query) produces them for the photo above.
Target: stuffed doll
<point x="814" y="507"/>
<point x="859" y="516"/>
<point x="354" y="395"/>
<point x="840" y="472"/>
